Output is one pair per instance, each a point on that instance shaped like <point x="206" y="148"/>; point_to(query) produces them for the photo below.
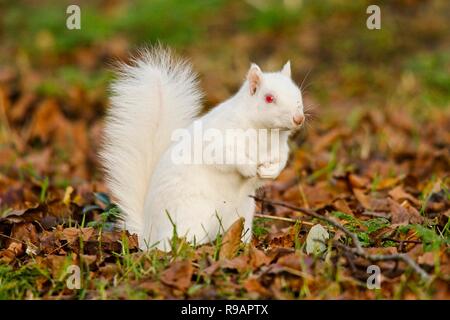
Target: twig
<point x="11" y="238"/>
<point x="403" y="241"/>
<point x="315" y="215"/>
<point x="358" y="249"/>
<point x="376" y="214"/>
<point x="266" y="216"/>
<point x="387" y="257"/>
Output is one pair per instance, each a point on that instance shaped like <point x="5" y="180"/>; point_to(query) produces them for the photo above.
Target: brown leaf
<point x="21" y="107"/>
<point x="252" y="285"/>
<point x="231" y="240"/>
<point x="14" y="250"/>
<point x="388" y="182"/>
<point x="318" y="194"/>
<point x="427" y="258"/>
<point x="88" y="259"/>
<point x="398" y="194"/>
<point x="382" y="250"/>
<point x="25" y="215"/>
<point x="370" y="203"/>
<point x="258" y="258"/>
<point x="239" y="263"/>
<point x="331" y="136"/>
<point x="282" y="239"/>
<point x="109" y="270"/>
<point x="178" y="275"/>
<point x="48" y="121"/>
<point x="72" y="234"/>
<point x="342" y="205"/>
<point x="25" y="232"/>
<point x="276" y="252"/>
<point x="56" y="264"/>
<point x="291" y="261"/>
<point x="404" y="215"/>
<point x="362" y="198"/>
<point x="210" y="270"/>
<point x="358" y="181"/>
<point x="133" y="242"/>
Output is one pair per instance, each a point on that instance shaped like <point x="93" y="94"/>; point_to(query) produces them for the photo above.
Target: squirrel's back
<point x="150" y="98"/>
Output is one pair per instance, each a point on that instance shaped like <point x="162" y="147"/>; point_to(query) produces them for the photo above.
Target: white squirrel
<point x="157" y="95"/>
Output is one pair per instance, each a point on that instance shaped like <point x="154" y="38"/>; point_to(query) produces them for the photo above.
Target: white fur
<point x="149" y="101"/>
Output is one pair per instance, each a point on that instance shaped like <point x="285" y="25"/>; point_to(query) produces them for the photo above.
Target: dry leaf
<point x="404" y="215"/>
<point x="252" y="285"/>
<point x="232" y="239"/>
<point x="178" y="275"/>
<point x="258" y="258"/>
<point x="239" y="263"/>
<point x="291" y="261"/>
<point x="427" y="258"/>
<point x="398" y="194"/>
<point x="358" y="182"/>
<point x="370" y="203"/>
<point x="342" y="206"/>
<point x="72" y="234"/>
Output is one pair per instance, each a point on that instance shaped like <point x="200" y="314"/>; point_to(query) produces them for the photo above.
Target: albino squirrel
<point x="158" y="95"/>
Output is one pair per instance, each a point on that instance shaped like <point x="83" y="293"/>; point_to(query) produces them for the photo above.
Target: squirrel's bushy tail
<point x="150" y="98"/>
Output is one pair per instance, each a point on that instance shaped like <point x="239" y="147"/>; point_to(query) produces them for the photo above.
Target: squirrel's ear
<point x="287" y="69"/>
<point x="254" y="77"/>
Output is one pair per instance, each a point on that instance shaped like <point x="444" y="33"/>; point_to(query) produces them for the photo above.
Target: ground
<point x="371" y="166"/>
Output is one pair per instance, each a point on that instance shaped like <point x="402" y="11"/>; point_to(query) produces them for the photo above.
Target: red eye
<point x="269" y="98"/>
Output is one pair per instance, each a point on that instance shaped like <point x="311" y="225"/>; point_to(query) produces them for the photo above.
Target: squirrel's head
<point x="275" y="98"/>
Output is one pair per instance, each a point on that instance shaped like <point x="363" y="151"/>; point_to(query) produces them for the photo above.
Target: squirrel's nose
<point x="298" y="119"/>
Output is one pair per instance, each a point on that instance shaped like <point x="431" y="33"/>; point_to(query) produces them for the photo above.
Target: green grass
<point x="18" y="284"/>
<point x="331" y="165"/>
<point x="259" y="227"/>
<point x="362" y="228"/>
<point x="432" y="72"/>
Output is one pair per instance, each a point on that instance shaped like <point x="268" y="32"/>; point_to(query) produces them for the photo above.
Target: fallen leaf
<point x="232" y="239"/>
<point x="210" y="270"/>
<point x="369" y="202"/>
<point x="342" y="206"/>
<point x="56" y="264"/>
<point x="25" y="232"/>
<point x="239" y="263"/>
<point x="25" y="215"/>
<point x="398" y="194"/>
<point x="178" y="275"/>
<point x="258" y="258"/>
<point x="427" y="258"/>
<point x="14" y="250"/>
<point x="329" y="138"/>
<point x="403" y="215"/>
<point x="358" y="181"/>
<point x="252" y="285"/>
<point x="292" y="261"/>
<point x="73" y="234"/>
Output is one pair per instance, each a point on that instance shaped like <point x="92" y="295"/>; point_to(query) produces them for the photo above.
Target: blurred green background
<point x="401" y="71"/>
<point x="408" y="60"/>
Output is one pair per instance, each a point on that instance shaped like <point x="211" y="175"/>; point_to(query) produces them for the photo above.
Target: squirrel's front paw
<point x="248" y="171"/>
<point x="269" y="170"/>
